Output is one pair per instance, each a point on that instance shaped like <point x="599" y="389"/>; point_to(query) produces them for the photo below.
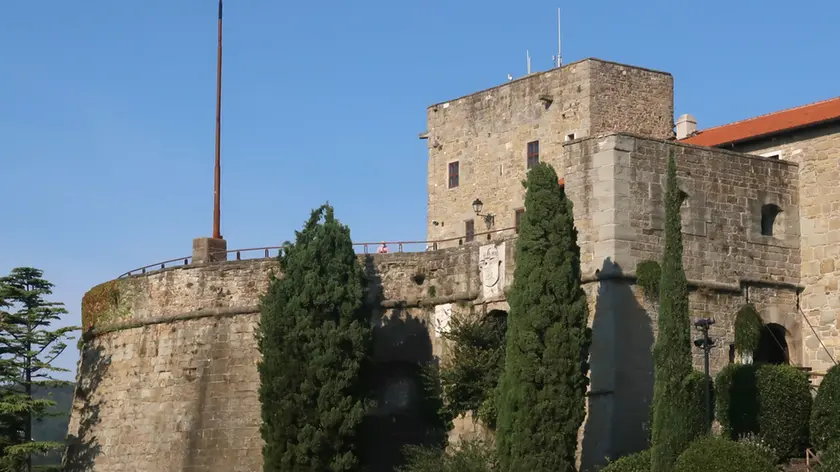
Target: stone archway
<point x="772" y="346"/>
<point x="781" y="338"/>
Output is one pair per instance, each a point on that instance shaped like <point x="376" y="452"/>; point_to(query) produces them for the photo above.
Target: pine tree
<point x="315" y="338"/>
<point x="542" y="390"/>
<point x="27" y="349"/>
<point x="673" y="417"/>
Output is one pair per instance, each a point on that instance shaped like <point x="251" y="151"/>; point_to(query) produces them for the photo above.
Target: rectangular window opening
<point x="517" y="219"/>
<point x="533" y="154"/>
<point x="453" y="174"/>
<point x="570" y="137"/>
<point x="469" y="230"/>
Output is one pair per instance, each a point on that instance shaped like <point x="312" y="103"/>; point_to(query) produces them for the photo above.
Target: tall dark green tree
<point x="674" y="419"/>
<point x="28" y="347"/>
<point x="542" y="390"/>
<point x="315" y="339"/>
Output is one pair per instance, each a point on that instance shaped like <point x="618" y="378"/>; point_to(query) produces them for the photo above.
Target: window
<point x="769" y="213"/>
<point x="570" y="137"/>
<point x="469" y="227"/>
<point x="453" y="174"/>
<point x="517" y="218"/>
<point x="533" y="153"/>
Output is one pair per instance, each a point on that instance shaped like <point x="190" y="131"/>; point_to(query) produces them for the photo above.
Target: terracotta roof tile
<point x="768" y="124"/>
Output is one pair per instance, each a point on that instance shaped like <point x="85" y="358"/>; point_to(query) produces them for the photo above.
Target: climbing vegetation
<point x="648" y="274"/>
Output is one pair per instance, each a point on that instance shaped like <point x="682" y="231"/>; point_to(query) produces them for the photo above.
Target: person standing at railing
<point x="383" y="249"/>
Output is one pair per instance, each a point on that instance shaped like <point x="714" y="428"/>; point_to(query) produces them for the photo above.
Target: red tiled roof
<point x="765" y="125"/>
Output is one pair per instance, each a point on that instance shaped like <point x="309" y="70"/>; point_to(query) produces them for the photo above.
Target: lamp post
<point x="706" y="343"/>
<point x="489" y="218"/>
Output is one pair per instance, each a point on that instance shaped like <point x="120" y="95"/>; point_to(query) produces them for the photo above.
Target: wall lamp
<point x="489" y="218"/>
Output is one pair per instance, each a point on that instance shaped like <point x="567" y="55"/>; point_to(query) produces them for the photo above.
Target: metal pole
<point x="707" y="346"/>
<point x="559" y="43"/>
<point x="218" y="170"/>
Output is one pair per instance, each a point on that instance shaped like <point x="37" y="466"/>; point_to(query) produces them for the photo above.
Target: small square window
<point x="570" y="137"/>
<point x="469" y="230"/>
<point x="533" y="154"/>
<point x="453" y="174"/>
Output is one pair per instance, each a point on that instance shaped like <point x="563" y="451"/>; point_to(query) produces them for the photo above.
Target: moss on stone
<point x="101" y="304"/>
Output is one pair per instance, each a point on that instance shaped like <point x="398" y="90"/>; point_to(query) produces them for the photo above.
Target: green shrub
<point x="648" y="274"/>
<point x="758" y="442"/>
<point x="773" y="401"/>
<point x="825" y="416"/>
<point x="469" y="456"/>
<point x="716" y="454"/>
<point x="736" y="399"/>
<point x="784" y="407"/>
<point x="829" y="459"/>
<point x="638" y="462"/>
<point x="748" y="327"/>
<point x="699" y="416"/>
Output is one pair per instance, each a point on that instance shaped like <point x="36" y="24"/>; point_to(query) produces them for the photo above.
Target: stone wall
<point x="617" y="183"/>
<point x="817" y="151"/>
<point x="168" y="381"/>
<point x="488" y="133"/>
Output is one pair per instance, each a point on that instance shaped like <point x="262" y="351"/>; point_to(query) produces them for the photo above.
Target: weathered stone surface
<point x="169" y="382"/>
<point x="817" y="151"/>
<point x="487" y="133"/>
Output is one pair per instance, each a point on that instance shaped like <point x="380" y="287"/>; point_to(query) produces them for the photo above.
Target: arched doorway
<point x="773" y="346"/>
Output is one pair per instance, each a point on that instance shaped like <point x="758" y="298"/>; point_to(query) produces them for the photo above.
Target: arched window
<point x="769" y="212"/>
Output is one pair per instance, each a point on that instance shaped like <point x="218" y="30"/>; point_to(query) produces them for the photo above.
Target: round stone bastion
<point x="167" y="377"/>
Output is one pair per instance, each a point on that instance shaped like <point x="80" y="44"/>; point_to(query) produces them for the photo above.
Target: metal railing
<point x="362" y="248"/>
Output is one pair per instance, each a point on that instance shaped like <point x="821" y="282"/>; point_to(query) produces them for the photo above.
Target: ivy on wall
<point x="748" y="326"/>
<point x="648" y="274"/>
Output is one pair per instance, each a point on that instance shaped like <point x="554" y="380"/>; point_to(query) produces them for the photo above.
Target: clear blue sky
<point x="107" y="108"/>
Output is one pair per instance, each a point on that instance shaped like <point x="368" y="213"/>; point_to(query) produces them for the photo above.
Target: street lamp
<point x="489" y="218"/>
<point x="706" y="343"/>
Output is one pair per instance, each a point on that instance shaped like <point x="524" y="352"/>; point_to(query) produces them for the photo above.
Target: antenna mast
<point x="218" y="170"/>
<point x="559" y="43"/>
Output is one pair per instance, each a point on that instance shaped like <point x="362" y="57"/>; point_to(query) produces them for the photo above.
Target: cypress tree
<point x="315" y="337"/>
<point x="673" y="416"/>
<point x="542" y="389"/>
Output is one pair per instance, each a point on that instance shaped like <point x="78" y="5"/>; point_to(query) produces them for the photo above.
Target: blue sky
<point x="107" y="108"/>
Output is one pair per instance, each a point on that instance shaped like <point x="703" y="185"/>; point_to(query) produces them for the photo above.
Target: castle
<point x="167" y="378"/>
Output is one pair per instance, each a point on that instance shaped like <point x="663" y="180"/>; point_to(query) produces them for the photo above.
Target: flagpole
<point x="218" y="170"/>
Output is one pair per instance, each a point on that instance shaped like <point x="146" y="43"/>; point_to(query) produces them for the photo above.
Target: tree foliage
<point x="772" y="401"/>
<point x="28" y="348"/>
<point x="542" y="389"/>
<point x="748" y="327"/>
<point x="469" y="456"/>
<point x="672" y="413"/>
<point x="723" y="455"/>
<point x="315" y="340"/>
<point x="825" y="415"/>
<point x="470" y="376"/>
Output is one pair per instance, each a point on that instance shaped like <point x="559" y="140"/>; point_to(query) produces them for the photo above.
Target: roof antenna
<point x="528" y="61"/>
<point x="558" y="59"/>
